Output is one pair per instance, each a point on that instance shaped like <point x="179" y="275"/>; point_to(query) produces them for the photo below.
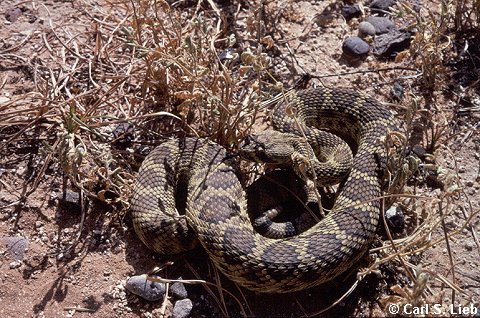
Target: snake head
<point x="267" y="146"/>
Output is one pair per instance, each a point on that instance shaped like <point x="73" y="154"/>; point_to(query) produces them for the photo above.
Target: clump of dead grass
<point x="194" y="71"/>
<point x="428" y="123"/>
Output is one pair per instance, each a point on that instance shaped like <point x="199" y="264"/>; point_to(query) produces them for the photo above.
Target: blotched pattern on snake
<point x="197" y="176"/>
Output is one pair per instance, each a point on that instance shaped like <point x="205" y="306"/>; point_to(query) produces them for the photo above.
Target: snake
<point x="189" y="191"/>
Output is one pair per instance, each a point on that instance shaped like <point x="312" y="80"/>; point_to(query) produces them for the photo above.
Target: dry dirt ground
<point x="77" y="268"/>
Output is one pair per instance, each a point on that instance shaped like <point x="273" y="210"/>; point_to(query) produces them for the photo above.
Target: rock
<point x="69" y="201"/>
<point x="365" y="29"/>
<point x="351" y="11"/>
<point x="417" y="5"/>
<point x="433" y="182"/>
<point x="141" y="286"/>
<point x="228" y="54"/>
<point x="122" y="136"/>
<point x="178" y="290"/>
<point x="182" y="308"/>
<point x="397" y="92"/>
<point x="15" y="264"/>
<point x="395" y="219"/>
<point x="382" y="25"/>
<point x="355" y="47"/>
<point x="16" y="246"/>
<point x="469" y="245"/>
<point x="20" y="170"/>
<point x="419" y="151"/>
<point x="381" y="5"/>
<point x="389" y="44"/>
<point x="12" y="15"/>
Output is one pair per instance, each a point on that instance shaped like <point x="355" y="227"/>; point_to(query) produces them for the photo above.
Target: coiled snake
<point x="195" y="175"/>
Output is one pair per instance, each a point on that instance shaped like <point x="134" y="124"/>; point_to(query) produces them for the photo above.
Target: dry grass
<point x="171" y="72"/>
<point x="193" y="71"/>
<point x="431" y="52"/>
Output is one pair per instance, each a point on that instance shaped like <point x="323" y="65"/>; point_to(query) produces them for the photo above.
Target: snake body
<point x="216" y="207"/>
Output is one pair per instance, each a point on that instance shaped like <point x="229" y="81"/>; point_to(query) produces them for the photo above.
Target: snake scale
<point x="187" y="190"/>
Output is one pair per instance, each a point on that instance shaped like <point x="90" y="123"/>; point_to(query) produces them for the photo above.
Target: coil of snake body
<point x="196" y="172"/>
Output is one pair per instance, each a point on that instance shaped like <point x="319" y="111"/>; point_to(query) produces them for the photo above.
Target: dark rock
<point x="147" y="289"/>
<point x="365" y="29"/>
<point x="417" y="5"/>
<point x="395" y="219"/>
<point x="123" y="136"/>
<point x="143" y="150"/>
<point x="228" y="54"/>
<point x="397" y="92"/>
<point x="389" y="44"/>
<point x="69" y="201"/>
<point x="16" y="246"/>
<point x="433" y="182"/>
<point x="351" y="11"/>
<point x="382" y="25"/>
<point x="355" y="47"/>
<point x="470" y="245"/>
<point x="12" y="15"/>
<point x="419" y="151"/>
<point x="178" y="290"/>
<point x="182" y="308"/>
<point x="381" y="5"/>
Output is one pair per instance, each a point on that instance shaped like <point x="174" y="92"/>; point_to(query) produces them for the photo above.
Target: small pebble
<point x="15" y="264"/>
<point x="365" y="29"/>
<point x="397" y="92"/>
<point x="469" y="183"/>
<point x="355" y="47"/>
<point x="20" y="170"/>
<point x="12" y="15"/>
<point x="381" y="5"/>
<point x="182" y="308"/>
<point x="147" y="289"/>
<point x="469" y="245"/>
<point x="380" y="24"/>
<point x="395" y="219"/>
<point x="351" y="11"/>
<point x="16" y="246"/>
<point x="178" y="290"/>
<point x="419" y="151"/>
<point x="70" y="201"/>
